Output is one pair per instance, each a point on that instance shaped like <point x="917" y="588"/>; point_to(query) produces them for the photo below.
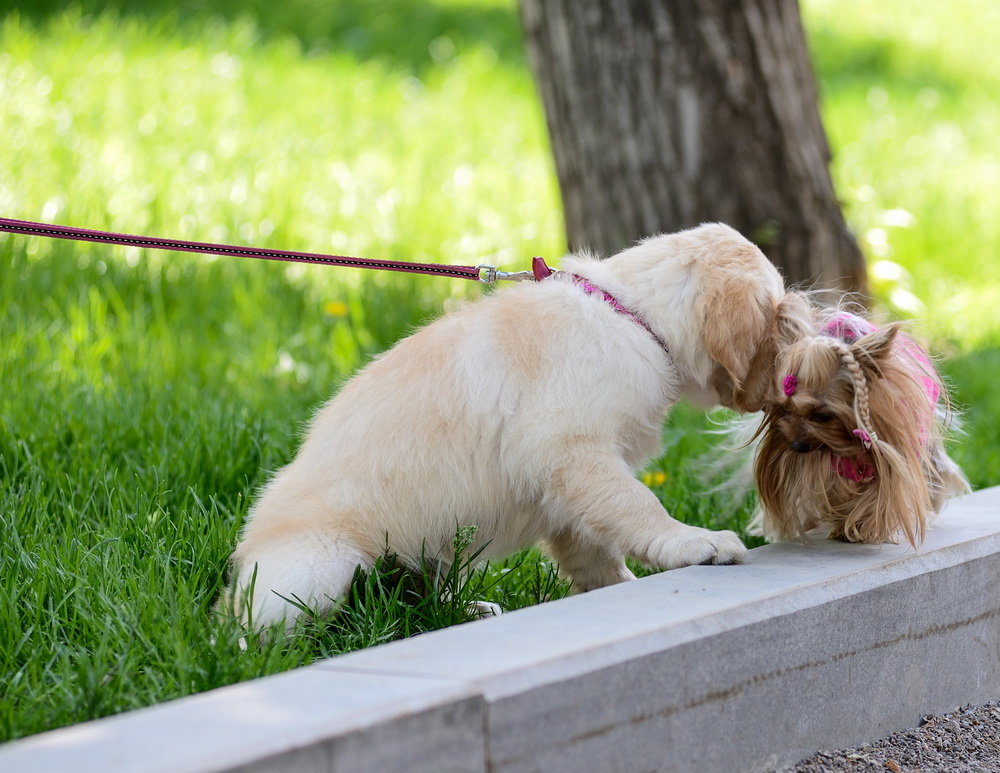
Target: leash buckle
<point x="490" y="275"/>
<point x="487" y="274"/>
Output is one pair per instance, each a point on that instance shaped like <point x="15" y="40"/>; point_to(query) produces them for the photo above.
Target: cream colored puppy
<point x="526" y="415"/>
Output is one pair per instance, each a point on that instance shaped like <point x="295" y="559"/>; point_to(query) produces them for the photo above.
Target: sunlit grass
<point x="146" y="395"/>
<point x="238" y="138"/>
<point x="913" y="111"/>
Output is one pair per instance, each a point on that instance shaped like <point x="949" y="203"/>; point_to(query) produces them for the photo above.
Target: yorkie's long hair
<point x="853" y="440"/>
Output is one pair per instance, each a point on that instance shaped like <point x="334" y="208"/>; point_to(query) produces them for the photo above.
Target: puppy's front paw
<point x="696" y="546"/>
<point x="729" y="549"/>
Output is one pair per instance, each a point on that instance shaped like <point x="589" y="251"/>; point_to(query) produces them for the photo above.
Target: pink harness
<point x="541" y="271"/>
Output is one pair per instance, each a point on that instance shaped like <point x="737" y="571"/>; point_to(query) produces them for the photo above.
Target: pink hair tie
<point x="864" y="437"/>
<point x="856" y="470"/>
<point x="847" y="327"/>
<point x="789" y="384"/>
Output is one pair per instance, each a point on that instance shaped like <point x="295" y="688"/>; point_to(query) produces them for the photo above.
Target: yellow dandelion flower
<point x="335" y="308"/>
<point x="654" y="478"/>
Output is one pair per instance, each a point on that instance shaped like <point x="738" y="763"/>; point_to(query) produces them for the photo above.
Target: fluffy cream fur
<point x="525" y="415"/>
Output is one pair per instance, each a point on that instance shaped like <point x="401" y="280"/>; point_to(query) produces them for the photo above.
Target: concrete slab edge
<point x="806" y="646"/>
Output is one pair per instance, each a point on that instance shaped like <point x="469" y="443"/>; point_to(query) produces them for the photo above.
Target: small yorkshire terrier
<point x="853" y="443"/>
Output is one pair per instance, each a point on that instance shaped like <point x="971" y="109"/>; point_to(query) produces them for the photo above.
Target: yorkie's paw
<point x="696" y="546"/>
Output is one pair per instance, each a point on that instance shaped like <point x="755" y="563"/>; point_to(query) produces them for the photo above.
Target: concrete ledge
<point x="307" y="719"/>
<point x="805" y="646"/>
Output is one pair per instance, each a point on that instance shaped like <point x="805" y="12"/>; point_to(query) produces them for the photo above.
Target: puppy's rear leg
<point x="597" y="494"/>
<point x="301" y="563"/>
<point x="589" y="565"/>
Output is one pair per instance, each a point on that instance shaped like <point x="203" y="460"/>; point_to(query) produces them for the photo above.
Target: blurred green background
<point x="147" y="395"/>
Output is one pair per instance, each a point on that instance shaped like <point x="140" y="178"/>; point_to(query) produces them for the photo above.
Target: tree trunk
<point x="664" y="114"/>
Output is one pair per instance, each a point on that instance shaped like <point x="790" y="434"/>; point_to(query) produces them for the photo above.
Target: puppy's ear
<point x="795" y="318"/>
<point x="758" y="388"/>
<point x="792" y="320"/>
<point x="734" y="325"/>
<point x="872" y="350"/>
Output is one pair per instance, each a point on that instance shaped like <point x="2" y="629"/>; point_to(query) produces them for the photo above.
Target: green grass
<point x="146" y="396"/>
<point x="913" y="111"/>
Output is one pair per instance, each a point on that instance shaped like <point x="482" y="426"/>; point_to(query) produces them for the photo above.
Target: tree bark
<point x="664" y="114"/>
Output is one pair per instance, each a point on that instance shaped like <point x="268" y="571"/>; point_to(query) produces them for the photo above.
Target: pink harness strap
<point x="590" y="288"/>
<point x="542" y="271"/>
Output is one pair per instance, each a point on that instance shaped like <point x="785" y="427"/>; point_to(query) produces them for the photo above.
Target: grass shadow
<point x="408" y="34"/>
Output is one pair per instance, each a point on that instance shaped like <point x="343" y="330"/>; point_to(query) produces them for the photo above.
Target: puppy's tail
<point x="278" y="576"/>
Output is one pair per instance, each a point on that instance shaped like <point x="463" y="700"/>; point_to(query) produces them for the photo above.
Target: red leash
<point x="482" y="273"/>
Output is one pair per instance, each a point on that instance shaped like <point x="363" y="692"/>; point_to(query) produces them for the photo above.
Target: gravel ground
<point x="965" y="741"/>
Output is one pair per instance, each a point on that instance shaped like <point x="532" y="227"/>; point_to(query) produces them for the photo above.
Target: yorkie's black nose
<point x="801" y="446"/>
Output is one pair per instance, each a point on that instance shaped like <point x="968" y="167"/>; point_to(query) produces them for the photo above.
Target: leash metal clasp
<point x="490" y="275"/>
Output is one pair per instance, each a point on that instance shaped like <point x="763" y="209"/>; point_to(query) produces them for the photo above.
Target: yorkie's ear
<point x="874" y="349"/>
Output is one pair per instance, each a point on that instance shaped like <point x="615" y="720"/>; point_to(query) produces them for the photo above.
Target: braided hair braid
<point x="865" y="431"/>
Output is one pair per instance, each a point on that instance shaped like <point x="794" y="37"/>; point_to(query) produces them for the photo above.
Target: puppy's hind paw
<point x="482" y="609"/>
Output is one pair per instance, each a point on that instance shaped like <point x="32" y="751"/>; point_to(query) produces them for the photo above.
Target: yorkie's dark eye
<point x="821" y="417"/>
